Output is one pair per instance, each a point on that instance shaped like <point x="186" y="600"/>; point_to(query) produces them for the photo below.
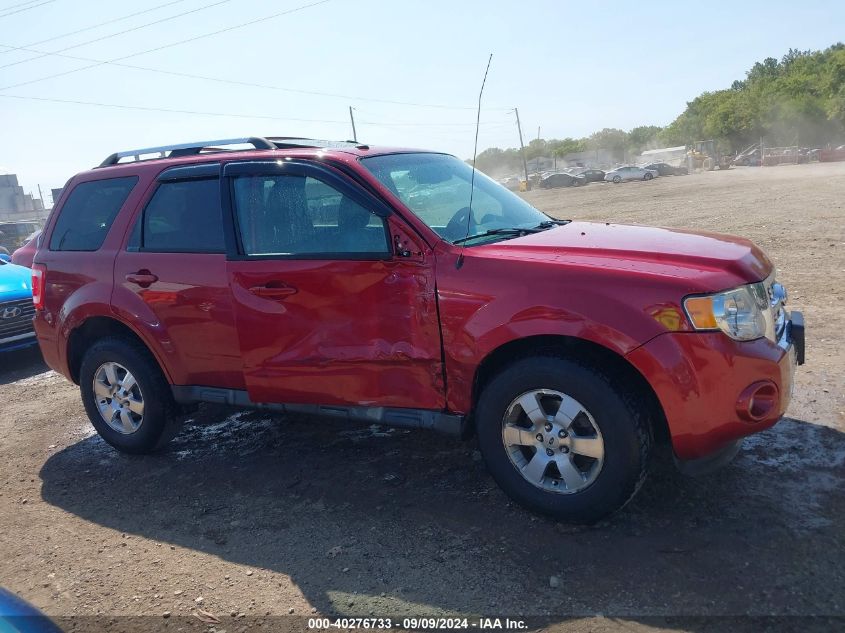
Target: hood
<point x="714" y="260"/>
<point x="15" y="282"/>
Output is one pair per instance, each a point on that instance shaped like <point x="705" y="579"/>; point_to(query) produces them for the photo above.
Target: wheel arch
<point x="97" y="327"/>
<point x="573" y="348"/>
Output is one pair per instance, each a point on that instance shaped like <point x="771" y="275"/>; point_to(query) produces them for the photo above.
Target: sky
<point x="411" y="70"/>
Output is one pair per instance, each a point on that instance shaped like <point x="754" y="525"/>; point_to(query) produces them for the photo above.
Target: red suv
<point x="398" y="287"/>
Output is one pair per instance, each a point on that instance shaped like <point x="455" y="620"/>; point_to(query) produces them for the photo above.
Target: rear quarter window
<point x="88" y="213"/>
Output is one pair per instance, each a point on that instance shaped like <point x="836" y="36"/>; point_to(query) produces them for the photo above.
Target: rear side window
<point x="88" y="213"/>
<point x="184" y="217"/>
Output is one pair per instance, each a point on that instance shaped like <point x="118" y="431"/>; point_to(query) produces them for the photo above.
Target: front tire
<point x="561" y="439"/>
<point x="126" y="396"/>
<point x="648" y="176"/>
<point x="617" y="179"/>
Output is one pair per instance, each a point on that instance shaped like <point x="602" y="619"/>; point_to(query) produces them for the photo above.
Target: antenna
<point x="460" y="261"/>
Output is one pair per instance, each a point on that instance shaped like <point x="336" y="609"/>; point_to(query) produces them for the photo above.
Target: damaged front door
<point x="327" y="312"/>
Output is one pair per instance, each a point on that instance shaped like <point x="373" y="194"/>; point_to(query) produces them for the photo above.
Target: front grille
<point x="16" y="318"/>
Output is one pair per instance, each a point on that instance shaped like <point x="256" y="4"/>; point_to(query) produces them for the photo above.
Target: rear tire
<point x="648" y="176"/>
<point x="126" y="396"/>
<point x="580" y="472"/>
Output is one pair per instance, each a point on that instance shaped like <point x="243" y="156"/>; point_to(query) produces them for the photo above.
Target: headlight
<point x="739" y="313"/>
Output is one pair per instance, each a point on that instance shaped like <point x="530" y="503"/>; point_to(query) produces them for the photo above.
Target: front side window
<point x="88" y="213"/>
<point x="290" y="215"/>
<point x="437" y="188"/>
<point x="183" y="217"/>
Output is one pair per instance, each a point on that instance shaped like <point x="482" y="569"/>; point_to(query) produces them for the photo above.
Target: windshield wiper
<point x="509" y="231"/>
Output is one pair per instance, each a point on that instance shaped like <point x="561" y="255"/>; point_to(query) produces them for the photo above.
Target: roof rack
<point x="192" y="149"/>
<point x="188" y="149"/>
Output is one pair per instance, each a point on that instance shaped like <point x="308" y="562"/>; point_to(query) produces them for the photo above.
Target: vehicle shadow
<point x="365" y="520"/>
<point x="22" y="363"/>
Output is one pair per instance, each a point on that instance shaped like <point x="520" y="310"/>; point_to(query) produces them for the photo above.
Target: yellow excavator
<point x="705" y="156"/>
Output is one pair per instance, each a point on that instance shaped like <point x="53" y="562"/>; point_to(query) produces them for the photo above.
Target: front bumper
<point x="19" y="341"/>
<point x="702" y="380"/>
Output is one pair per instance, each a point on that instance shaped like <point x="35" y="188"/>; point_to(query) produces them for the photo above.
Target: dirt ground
<point x="249" y="516"/>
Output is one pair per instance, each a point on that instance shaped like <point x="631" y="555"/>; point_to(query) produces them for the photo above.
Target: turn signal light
<point x="700" y="311"/>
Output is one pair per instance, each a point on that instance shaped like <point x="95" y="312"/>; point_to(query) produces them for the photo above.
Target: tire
<point x="648" y="176"/>
<point x="617" y="179"/>
<point x="616" y="419"/>
<point x="143" y="429"/>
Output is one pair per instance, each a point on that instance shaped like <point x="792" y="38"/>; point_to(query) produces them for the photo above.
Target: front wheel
<point x="648" y="176"/>
<point x="617" y="179"/>
<point x="126" y="396"/>
<point x="562" y="440"/>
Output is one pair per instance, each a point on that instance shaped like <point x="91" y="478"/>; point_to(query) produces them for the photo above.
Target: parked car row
<point x="577" y="176"/>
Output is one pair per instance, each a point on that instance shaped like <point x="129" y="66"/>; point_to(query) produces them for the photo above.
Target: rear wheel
<point x="561" y="439"/>
<point x="648" y="176"/>
<point x="126" y="396"/>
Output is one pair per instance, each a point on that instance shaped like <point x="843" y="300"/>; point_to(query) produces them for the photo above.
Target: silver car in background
<point x="629" y="172"/>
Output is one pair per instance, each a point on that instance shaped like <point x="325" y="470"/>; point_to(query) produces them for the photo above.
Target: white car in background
<point x="629" y="172"/>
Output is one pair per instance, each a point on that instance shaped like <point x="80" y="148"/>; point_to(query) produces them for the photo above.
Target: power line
<point x="171" y="45"/>
<point x="106" y="37"/>
<point x="170" y="110"/>
<point x="238" y="82"/>
<point x="19" y="4"/>
<point x="93" y="26"/>
<point x="432" y="124"/>
<point x="121" y="106"/>
<point x="34" y="6"/>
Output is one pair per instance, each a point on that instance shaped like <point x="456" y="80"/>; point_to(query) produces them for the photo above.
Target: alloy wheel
<point x="119" y="398"/>
<point x="553" y="441"/>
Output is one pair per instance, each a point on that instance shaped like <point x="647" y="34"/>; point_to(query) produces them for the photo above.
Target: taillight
<point x="38" y="273"/>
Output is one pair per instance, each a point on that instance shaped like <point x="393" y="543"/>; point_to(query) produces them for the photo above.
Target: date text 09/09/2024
<point x="418" y="624"/>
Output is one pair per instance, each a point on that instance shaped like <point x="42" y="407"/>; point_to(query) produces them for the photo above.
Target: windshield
<point x="436" y="187"/>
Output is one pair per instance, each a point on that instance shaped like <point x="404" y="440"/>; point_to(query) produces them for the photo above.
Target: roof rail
<point x="187" y="149"/>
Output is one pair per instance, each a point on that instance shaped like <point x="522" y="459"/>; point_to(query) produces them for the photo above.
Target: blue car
<point x="16" y="309"/>
<point x="18" y="616"/>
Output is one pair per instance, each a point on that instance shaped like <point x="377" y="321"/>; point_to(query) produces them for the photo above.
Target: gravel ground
<point x="248" y="516"/>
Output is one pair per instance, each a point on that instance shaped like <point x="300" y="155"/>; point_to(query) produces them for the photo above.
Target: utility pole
<point x="522" y="149"/>
<point x="352" y="118"/>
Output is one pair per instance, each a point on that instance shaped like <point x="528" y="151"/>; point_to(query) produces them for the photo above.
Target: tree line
<point x="799" y="100"/>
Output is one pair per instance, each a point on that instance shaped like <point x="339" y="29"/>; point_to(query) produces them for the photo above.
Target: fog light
<point x="757" y="401"/>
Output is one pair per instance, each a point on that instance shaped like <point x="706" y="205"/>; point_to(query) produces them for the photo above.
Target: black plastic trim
<point x="442" y="422"/>
<point x="796" y="333"/>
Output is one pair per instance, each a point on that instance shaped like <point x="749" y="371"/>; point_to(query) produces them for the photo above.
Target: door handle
<point x="273" y="290"/>
<point x="143" y="278"/>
